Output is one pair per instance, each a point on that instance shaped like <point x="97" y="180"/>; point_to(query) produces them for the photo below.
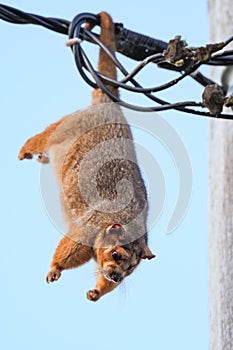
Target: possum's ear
<point x="147" y="254"/>
<point x="118" y="230"/>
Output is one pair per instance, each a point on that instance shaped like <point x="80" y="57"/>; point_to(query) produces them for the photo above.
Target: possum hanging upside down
<point x="102" y="193"/>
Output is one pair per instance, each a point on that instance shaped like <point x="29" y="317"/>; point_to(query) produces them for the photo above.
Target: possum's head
<point x="116" y="259"/>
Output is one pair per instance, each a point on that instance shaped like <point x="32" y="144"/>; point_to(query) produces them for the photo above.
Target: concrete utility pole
<point x="221" y="200"/>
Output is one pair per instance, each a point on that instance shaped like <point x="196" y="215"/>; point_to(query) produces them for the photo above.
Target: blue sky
<point x="164" y="304"/>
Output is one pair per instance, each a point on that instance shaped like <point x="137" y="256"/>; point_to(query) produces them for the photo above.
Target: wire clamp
<point x="73" y="41"/>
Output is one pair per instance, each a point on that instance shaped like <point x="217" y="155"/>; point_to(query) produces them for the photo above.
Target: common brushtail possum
<point x="103" y="196"/>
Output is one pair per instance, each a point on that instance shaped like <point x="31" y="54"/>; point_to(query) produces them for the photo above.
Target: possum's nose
<point x="114" y="277"/>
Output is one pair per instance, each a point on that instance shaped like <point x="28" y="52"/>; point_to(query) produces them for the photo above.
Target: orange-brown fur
<point x="65" y="144"/>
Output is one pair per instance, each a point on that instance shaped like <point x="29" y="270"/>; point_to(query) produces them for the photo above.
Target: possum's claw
<point x="53" y="275"/>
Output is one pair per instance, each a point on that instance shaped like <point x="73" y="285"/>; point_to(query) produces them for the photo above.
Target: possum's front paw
<point x="93" y="295"/>
<point x="53" y="275"/>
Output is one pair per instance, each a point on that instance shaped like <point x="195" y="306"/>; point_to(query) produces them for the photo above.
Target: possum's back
<point x="93" y="156"/>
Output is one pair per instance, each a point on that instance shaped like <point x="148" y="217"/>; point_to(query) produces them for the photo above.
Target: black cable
<point x="132" y="44"/>
<point x="13" y="15"/>
<point x="125" y="39"/>
<point x="129" y="43"/>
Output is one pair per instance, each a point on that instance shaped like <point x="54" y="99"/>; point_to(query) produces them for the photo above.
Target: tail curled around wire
<point x="106" y="66"/>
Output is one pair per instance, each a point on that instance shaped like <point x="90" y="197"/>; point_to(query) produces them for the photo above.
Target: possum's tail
<point x="106" y="66"/>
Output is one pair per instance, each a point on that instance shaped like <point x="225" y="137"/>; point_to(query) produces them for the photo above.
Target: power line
<point x="175" y="55"/>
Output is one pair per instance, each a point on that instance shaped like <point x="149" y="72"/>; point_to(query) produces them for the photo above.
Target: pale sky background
<point x="164" y="304"/>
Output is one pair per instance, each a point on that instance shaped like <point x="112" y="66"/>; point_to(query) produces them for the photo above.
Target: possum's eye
<point x="115" y="255"/>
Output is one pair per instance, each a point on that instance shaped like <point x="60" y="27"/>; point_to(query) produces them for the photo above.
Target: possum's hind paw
<point x="53" y="275"/>
<point x="36" y="145"/>
<point x="25" y="155"/>
<point x="42" y="157"/>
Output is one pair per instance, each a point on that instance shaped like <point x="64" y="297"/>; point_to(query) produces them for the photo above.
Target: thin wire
<point x="122" y="69"/>
<point x="129" y="76"/>
<point x="127" y="105"/>
<point x="165" y="105"/>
